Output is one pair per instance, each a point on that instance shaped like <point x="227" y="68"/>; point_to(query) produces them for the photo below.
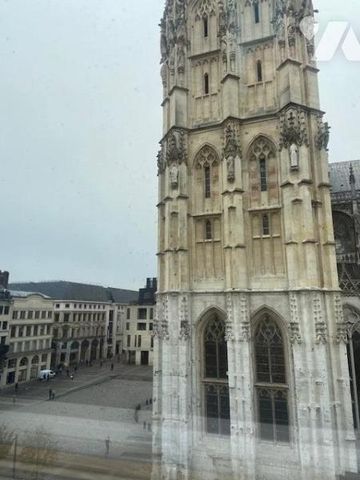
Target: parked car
<point x="44" y="374"/>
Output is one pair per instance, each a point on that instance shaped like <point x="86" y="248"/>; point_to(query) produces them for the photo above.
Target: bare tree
<point x="39" y="451"/>
<point x="7" y="438"/>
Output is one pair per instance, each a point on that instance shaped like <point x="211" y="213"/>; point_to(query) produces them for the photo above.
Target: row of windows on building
<point x="90" y="331"/>
<point x="271" y="387"/>
<point x="4" y="310"/>
<point x="258" y="75"/>
<point x="256" y="17"/>
<point x="82" y="305"/>
<point x="23" y="362"/>
<point x="30" y="345"/>
<point x="80" y="317"/>
<point x="30" y="331"/>
<point x="142" y="313"/>
<point x="140" y="326"/>
<point x="138" y="341"/>
<point x="4" y="325"/>
<point x="263" y="178"/>
<point x="209" y="228"/>
<point x="31" y="314"/>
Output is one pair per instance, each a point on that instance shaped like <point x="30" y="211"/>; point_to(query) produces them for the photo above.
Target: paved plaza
<point x="99" y="404"/>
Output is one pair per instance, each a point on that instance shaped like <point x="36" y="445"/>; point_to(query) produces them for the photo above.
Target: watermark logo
<point x="338" y="34"/>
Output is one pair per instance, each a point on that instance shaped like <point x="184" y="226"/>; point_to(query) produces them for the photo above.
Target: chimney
<point x="4" y="280"/>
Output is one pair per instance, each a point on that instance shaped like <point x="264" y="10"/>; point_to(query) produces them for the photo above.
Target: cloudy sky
<point x="80" y="119"/>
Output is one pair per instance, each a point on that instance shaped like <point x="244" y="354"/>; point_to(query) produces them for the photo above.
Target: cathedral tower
<point x="250" y="371"/>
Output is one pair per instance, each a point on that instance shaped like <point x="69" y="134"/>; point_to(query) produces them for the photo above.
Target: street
<point x="99" y="404"/>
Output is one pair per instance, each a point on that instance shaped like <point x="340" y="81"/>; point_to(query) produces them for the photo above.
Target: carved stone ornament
<point x="161" y="164"/>
<point x="323" y="135"/>
<point x="161" y="325"/>
<point x="229" y="334"/>
<point x="294" y="333"/>
<point x="206" y="8"/>
<point x="287" y="19"/>
<point x="320" y="326"/>
<point x="342" y="335"/>
<point x="176" y="147"/>
<point x="227" y="33"/>
<point x="294" y="327"/>
<point x="185" y="328"/>
<point x="185" y="331"/>
<point x="293" y="128"/>
<point x="245" y="332"/>
<point x="173" y="37"/>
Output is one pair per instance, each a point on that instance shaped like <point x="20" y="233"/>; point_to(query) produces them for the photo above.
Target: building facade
<point x="345" y="199"/>
<point x="138" y="339"/>
<point x="85" y="320"/>
<point x="251" y="377"/>
<point x="30" y="337"/>
<point x="5" y="302"/>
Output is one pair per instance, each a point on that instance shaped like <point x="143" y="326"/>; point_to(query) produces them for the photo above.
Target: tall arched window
<point x="259" y="72"/>
<point x="207" y="182"/>
<point x="257" y="12"/>
<point x="271" y="383"/>
<point x="263" y="173"/>
<point x="206" y="26"/>
<point x="215" y="380"/>
<point x="208" y="230"/>
<point x="206" y="84"/>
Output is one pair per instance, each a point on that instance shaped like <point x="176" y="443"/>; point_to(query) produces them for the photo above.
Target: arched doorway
<point x="84" y="349"/>
<point x="34" y="367"/>
<point x="94" y="347"/>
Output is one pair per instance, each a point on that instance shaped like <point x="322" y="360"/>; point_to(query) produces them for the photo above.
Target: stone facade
<point x="31" y="324"/>
<point x="246" y="246"/>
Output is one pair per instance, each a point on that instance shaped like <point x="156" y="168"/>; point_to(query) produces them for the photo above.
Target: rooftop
<point x="63" y="290"/>
<point x="340" y="176"/>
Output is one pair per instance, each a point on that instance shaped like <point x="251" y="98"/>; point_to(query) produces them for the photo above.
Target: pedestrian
<point x="53" y="395"/>
<point x="112" y="366"/>
<point x="16" y="387"/>
<point x="100" y="363"/>
<point x="107" y="446"/>
<point x="67" y="372"/>
<point x="47" y="377"/>
<point x="50" y="394"/>
<point x="75" y="368"/>
<point x="72" y="376"/>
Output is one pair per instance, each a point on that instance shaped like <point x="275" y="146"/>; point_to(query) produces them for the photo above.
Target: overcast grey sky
<point x="80" y="119"/>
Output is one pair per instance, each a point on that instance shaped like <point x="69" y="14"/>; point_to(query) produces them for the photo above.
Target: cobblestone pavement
<point x="98" y="404"/>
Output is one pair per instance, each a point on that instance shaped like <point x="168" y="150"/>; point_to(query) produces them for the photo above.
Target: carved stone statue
<point x="163" y="42"/>
<point x="174" y="175"/>
<point x="294" y="156"/>
<point x="230" y="164"/>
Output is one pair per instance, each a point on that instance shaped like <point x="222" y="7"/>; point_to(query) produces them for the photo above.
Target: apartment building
<point x="85" y="320"/>
<point x="138" y="341"/>
<point x="31" y="325"/>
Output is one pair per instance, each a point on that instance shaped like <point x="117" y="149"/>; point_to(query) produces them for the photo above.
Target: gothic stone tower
<point x="251" y="377"/>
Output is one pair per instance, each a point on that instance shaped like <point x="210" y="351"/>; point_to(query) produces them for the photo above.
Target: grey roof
<point x="340" y="176"/>
<point x="62" y="290"/>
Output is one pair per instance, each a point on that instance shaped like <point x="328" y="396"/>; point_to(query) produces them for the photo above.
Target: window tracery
<point x="215" y="381"/>
<point x="271" y="382"/>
